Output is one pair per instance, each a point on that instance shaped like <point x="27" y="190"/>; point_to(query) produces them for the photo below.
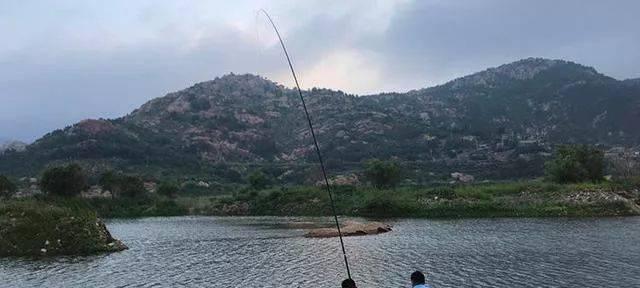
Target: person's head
<point x="348" y="283"/>
<point x="417" y="278"/>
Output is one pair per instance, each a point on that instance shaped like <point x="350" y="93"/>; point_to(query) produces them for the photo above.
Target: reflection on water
<point x="263" y="252"/>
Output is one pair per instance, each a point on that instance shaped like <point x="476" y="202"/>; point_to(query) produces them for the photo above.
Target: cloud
<point x="63" y="62"/>
<point x="439" y="39"/>
<point x="341" y="68"/>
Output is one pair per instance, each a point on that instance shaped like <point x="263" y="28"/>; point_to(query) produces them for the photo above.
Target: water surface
<point x="264" y="252"/>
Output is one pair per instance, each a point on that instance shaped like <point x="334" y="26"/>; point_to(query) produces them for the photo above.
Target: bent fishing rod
<point x="315" y="142"/>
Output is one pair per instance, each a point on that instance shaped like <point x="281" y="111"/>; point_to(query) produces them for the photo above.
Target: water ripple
<point x="261" y="251"/>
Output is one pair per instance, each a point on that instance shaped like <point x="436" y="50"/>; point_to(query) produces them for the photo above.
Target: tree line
<point x="570" y="164"/>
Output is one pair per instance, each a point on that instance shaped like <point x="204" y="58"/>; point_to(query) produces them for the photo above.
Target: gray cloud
<point x="470" y="35"/>
<point x="67" y="61"/>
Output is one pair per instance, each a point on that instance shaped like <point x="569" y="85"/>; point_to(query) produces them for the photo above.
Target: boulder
<point x="350" y="228"/>
<point x="461" y="177"/>
<point x="349" y="179"/>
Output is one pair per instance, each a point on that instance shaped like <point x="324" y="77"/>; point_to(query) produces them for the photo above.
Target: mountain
<point x="497" y="123"/>
<point x="12" y="145"/>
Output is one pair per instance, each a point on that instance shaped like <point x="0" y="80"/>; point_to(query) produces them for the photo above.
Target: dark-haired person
<point x="348" y="283"/>
<point x="418" y="281"/>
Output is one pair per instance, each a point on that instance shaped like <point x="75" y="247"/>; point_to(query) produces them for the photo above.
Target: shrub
<point x="122" y="185"/>
<point x="131" y="187"/>
<point x="65" y="181"/>
<point x="7" y="188"/>
<point x="381" y="203"/>
<point x="576" y="163"/>
<point x="444" y="192"/>
<point x="382" y="174"/>
<point x="200" y="104"/>
<point x="168" y="189"/>
<point x="108" y="180"/>
<point x="258" y="180"/>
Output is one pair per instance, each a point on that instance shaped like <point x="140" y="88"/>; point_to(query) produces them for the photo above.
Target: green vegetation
<point x="382" y="174"/>
<point x="254" y="119"/>
<point x="168" y="189"/>
<point x="131" y="199"/>
<point x="30" y="227"/>
<point x="122" y="185"/>
<point x="576" y="163"/>
<point x="383" y="198"/>
<point x="508" y="199"/>
<point x="511" y="199"/>
<point x="67" y="180"/>
<point x="7" y="187"/>
<point x="258" y="180"/>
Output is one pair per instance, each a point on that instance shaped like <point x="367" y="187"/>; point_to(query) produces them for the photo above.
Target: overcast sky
<point x="64" y="61"/>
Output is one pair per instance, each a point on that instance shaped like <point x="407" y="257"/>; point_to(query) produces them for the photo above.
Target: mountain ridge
<point x="493" y="118"/>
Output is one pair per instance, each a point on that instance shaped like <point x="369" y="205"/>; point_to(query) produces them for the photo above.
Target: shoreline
<point x="531" y="199"/>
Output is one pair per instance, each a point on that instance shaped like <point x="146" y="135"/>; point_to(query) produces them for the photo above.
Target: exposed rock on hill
<point x="15" y="146"/>
<point x="498" y="123"/>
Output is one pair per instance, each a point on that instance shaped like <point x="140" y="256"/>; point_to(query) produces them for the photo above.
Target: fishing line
<point x="315" y="142"/>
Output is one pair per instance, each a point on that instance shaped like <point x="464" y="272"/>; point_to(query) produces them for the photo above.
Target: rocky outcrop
<point x="461" y="177"/>
<point x="350" y="228"/>
<point x="16" y="146"/>
<point x="109" y="244"/>
<point x="628" y="200"/>
<point x="350" y="179"/>
<point x="236" y="209"/>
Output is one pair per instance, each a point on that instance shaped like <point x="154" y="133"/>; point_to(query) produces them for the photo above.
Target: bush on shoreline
<point x="382" y="174"/>
<point x="576" y="163"/>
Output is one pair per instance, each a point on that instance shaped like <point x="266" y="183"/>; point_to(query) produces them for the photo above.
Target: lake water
<point x="263" y="252"/>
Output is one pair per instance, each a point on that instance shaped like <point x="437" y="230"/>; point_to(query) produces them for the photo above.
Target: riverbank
<point x="513" y="199"/>
<point x="33" y="227"/>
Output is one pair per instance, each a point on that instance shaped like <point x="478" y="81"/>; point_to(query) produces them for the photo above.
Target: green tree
<point x="108" y="180"/>
<point x="131" y="186"/>
<point x="122" y="185"/>
<point x="168" y="189"/>
<point x="7" y="188"/>
<point x="67" y="180"/>
<point x="382" y="174"/>
<point x="258" y="180"/>
<point x="576" y="163"/>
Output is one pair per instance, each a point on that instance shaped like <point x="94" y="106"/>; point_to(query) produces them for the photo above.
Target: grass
<point x="505" y="199"/>
<point x="510" y="199"/>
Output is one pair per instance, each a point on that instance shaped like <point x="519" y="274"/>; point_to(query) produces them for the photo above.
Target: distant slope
<point x="12" y="145"/>
<point x="498" y="123"/>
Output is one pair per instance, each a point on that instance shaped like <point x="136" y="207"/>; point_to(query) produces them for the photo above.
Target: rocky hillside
<point x="12" y="145"/>
<point x="498" y="123"/>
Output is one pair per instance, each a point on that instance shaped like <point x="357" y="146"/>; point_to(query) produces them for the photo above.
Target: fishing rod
<point x="315" y="142"/>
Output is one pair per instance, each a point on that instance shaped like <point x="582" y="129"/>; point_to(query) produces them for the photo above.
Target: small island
<point x="350" y="228"/>
<point x="56" y="223"/>
<point x="64" y="227"/>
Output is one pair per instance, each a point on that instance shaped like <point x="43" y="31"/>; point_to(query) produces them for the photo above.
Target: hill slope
<point x="498" y="123"/>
